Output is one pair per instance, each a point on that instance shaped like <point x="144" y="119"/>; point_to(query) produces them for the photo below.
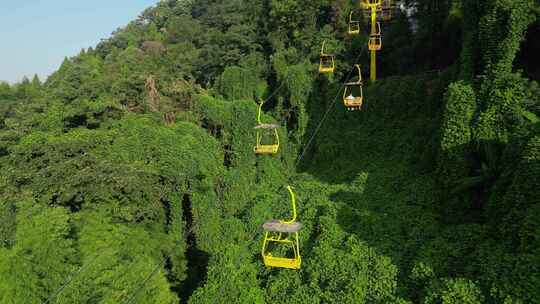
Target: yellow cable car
<point x="261" y="148"/>
<point x="368" y="6"/>
<point x="375" y="40"/>
<point x="354" y="25"/>
<point x="371" y="3"/>
<point x="353" y="95"/>
<point x="277" y="234"/>
<point x="327" y="63"/>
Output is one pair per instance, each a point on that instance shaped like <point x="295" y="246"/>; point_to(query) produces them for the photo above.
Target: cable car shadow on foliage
<point x="399" y="220"/>
<point x="197" y="260"/>
<point x="467" y="192"/>
<point x="281" y="245"/>
<point x="379" y="226"/>
<point x="333" y="107"/>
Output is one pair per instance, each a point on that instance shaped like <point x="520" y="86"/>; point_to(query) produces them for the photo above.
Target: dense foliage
<point x="128" y="176"/>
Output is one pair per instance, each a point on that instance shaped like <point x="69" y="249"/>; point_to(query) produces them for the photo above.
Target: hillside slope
<point x="129" y="176"/>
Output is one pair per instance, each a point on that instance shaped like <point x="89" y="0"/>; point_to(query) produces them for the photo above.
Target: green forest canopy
<point x="128" y="176"/>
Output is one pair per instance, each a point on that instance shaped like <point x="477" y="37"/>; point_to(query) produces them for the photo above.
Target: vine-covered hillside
<point x="129" y="176"/>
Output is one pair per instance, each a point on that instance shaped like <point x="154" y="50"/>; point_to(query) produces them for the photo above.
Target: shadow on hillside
<point x="400" y="215"/>
<point x="526" y="58"/>
<point x="390" y="216"/>
<point x="398" y="122"/>
<point x="384" y="162"/>
<point x="197" y="260"/>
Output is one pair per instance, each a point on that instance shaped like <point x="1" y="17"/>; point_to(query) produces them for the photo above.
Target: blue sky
<point x="36" y="35"/>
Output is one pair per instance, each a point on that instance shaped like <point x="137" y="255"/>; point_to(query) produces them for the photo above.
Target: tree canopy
<point x="128" y="175"/>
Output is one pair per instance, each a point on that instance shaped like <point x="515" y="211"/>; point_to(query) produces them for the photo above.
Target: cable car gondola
<point x="375" y="40"/>
<point x="354" y="25"/>
<point x="263" y="128"/>
<point x="276" y="236"/>
<point x="327" y="62"/>
<point x="353" y="95"/>
<point x="370" y="4"/>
